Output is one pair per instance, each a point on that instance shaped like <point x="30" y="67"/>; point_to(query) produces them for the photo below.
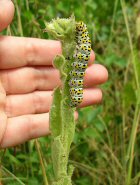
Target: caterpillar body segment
<point x="76" y="91"/>
<point x="76" y="100"/>
<point x="82" y="57"/>
<point x="77" y="74"/>
<point x="74" y="82"/>
<point x="79" y="65"/>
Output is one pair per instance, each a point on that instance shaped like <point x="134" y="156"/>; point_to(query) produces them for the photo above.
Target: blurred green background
<point x="106" y="148"/>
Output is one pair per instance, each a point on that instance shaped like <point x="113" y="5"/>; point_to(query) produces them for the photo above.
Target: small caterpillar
<point x="81" y="57"/>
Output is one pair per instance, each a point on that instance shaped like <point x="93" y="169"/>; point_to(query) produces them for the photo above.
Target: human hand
<point x="27" y="81"/>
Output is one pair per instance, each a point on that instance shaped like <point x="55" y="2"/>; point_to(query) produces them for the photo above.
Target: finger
<point x="23" y="128"/>
<point x="96" y="74"/>
<point x="6" y="13"/>
<point x="29" y="79"/>
<point x="47" y="78"/>
<point x="32" y="103"/>
<point x="21" y="52"/>
<point x="40" y="102"/>
<point x="91" y="96"/>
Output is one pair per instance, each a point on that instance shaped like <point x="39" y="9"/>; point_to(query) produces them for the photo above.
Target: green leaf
<point x="59" y="62"/>
<point x="114" y="59"/>
<point x="58" y="153"/>
<point x="129" y="95"/>
<point x="55" y="113"/>
<point x="91" y="133"/>
<point x="92" y="114"/>
<point x="99" y="125"/>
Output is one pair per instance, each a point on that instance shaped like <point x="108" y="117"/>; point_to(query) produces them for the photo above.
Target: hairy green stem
<point x="62" y="122"/>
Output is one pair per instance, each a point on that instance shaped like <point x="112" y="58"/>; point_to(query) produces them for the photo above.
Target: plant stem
<point x="41" y="162"/>
<point x="19" y="19"/>
<point x="62" y="122"/>
<point x="132" y="143"/>
<point x="12" y="175"/>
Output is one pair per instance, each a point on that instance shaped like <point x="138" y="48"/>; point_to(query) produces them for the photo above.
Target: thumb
<point x="6" y="13"/>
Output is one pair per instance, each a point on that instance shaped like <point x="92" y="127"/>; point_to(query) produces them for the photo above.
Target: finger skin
<point x="6" y="13"/>
<point x="23" y="128"/>
<point x="21" y="52"/>
<point x="32" y="103"/>
<point x="28" y="79"/>
<point x="96" y="74"/>
<point x="91" y="96"/>
<point x="40" y="102"/>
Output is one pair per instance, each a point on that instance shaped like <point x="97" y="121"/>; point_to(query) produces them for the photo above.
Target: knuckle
<point x="6" y="81"/>
<point x="34" y="77"/>
<point x="2" y="101"/>
<point x="36" y="102"/>
<point x="8" y="107"/>
<point x="30" y="51"/>
<point x="31" y="126"/>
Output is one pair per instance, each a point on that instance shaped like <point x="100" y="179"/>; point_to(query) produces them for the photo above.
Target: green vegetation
<point x="106" y="145"/>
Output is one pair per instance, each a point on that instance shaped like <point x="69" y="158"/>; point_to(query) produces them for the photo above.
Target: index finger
<point x="18" y="52"/>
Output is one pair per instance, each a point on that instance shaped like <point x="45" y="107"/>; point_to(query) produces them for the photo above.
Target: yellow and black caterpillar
<point x="81" y="57"/>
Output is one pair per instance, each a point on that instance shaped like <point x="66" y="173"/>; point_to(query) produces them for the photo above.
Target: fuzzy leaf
<point x="58" y="155"/>
<point x="55" y="114"/>
<point x="59" y="62"/>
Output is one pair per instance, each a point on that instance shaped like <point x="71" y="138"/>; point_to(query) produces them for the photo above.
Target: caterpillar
<point x="81" y="57"/>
